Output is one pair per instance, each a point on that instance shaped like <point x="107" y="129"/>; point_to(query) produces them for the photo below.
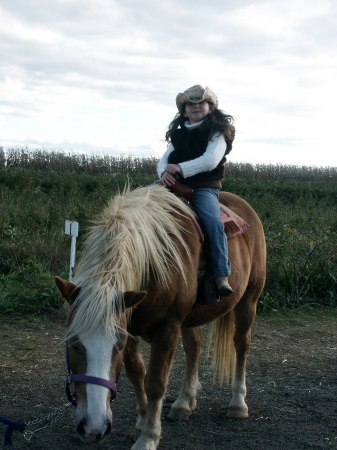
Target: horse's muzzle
<point x="92" y="437"/>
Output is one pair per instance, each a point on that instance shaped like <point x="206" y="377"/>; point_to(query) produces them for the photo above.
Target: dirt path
<point x="291" y="381"/>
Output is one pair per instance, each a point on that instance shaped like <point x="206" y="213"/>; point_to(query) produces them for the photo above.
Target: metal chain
<point x="52" y="417"/>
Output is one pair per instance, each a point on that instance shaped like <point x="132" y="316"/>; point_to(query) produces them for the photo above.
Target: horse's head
<point x="95" y="360"/>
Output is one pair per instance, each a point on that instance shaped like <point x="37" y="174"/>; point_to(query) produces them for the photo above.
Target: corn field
<point x="92" y="164"/>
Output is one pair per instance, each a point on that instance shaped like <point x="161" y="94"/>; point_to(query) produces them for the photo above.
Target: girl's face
<point x="197" y="111"/>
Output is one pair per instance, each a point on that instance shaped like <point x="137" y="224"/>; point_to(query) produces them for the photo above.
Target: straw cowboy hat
<point x="196" y="94"/>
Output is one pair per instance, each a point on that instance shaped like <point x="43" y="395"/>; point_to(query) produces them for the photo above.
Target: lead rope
<point x="50" y="418"/>
<point x="15" y="425"/>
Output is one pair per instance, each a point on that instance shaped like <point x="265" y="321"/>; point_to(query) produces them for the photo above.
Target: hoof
<point x="237" y="413"/>
<point x="136" y="434"/>
<point x="179" y="414"/>
<point x="146" y="443"/>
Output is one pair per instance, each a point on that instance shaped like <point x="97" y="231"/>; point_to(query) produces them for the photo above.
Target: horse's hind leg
<point x="245" y="312"/>
<point x="136" y="371"/>
<point x="185" y="404"/>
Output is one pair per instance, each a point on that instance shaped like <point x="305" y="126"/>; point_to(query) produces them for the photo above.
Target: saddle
<point x="234" y="225"/>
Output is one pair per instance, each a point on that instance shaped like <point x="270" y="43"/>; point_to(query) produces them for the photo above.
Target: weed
<point x="40" y="190"/>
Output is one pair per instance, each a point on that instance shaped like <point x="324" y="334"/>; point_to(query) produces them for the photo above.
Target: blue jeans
<point x="206" y="203"/>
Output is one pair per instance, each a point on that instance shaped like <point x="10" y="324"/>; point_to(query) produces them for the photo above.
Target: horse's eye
<point x="75" y="346"/>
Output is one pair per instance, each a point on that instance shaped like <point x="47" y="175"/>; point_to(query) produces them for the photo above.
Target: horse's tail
<point x="221" y="335"/>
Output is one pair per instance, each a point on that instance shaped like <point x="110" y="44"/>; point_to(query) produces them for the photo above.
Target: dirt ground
<point x="291" y="382"/>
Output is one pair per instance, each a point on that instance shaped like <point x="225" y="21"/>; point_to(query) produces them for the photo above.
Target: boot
<point x="223" y="286"/>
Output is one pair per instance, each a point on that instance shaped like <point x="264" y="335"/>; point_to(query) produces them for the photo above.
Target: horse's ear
<point x="133" y="298"/>
<point x="67" y="290"/>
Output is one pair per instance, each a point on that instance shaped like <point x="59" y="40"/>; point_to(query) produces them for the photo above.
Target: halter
<point x="88" y="379"/>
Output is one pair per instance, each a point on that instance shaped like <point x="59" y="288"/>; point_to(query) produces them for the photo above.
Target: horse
<point x="137" y="279"/>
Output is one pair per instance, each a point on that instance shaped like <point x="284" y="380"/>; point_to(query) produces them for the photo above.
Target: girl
<point x="199" y="137"/>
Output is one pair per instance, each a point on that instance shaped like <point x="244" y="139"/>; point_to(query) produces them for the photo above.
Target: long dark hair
<point x="217" y="120"/>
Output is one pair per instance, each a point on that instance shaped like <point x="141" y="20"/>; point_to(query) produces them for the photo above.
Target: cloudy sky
<point x="102" y="75"/>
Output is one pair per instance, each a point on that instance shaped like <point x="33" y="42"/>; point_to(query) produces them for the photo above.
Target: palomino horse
<point x="138" y="278"/>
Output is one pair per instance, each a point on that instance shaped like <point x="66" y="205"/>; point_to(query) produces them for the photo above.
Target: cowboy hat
<point x="196" y="94"/>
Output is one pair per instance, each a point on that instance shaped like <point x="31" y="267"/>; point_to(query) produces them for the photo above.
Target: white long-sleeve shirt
<point x="209" y="160"/>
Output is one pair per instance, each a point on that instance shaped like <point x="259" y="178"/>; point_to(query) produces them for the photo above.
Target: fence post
<point x="71" y="228"/>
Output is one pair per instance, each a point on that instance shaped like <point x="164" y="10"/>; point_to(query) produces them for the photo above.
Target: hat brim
<point x="208" y="96"/>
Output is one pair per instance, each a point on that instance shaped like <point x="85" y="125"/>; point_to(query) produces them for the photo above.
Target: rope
<point x="49" y="420"/>
<point x="13" y="425"/>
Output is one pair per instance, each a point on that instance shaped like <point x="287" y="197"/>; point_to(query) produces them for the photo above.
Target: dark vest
<point x="190" y="144"/>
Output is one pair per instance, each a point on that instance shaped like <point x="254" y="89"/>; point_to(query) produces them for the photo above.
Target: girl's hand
<point x="168" y="177"/>
<point x="173" y="168"/>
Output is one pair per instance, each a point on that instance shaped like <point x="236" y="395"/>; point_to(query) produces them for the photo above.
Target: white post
<point x="71" y="228"/>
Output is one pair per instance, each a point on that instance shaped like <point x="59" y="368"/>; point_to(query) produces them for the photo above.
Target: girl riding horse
<point x="200" y="137"/>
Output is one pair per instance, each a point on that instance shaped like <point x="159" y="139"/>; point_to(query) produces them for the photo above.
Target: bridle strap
<point x="91" y="380"/>
<point x="95" y="380"/>
<point x="70" y="396"/>
<point x="88" y="379"/>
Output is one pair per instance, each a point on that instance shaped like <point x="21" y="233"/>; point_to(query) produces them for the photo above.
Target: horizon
<point x="138" y="157"/>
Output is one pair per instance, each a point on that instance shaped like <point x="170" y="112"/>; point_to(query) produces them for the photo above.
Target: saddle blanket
<point x="234" y="225"/>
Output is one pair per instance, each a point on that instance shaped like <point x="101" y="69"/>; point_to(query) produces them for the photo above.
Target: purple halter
<point x="88" y="379"/>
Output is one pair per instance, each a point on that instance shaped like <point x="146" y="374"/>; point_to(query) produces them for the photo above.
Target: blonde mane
<point x="137" y="235"/>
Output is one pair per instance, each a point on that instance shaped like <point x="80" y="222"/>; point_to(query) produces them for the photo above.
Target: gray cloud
<point x="113" y="52"/>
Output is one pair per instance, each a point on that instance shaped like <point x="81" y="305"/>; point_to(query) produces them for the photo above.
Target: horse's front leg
<point x="185" y="404"/>
<point x="163" y="345"/>
<point x="135" y="369"/>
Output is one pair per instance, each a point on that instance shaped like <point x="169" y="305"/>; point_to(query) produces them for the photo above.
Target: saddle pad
<point x="234" y="224"/>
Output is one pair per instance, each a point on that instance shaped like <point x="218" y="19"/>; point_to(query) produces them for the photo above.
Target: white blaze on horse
<point x="138" y="277"/>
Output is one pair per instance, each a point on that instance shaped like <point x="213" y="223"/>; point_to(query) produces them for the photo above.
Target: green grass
<point x="298" y="214"/>
<point x="313" y="312"/>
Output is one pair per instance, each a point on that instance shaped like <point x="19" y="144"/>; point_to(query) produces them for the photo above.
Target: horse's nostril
<point x="92" y="438"/>
<point x="80" y="428"/>
<point x="108" y="430"/>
